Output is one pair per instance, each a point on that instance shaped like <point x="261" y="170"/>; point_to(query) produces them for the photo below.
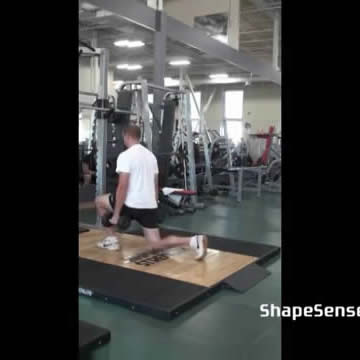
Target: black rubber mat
<point x="162" y="297"/>
<point x="155" y="295"/>
<point x="246" y="278"/>
<point x="91" y="336"/>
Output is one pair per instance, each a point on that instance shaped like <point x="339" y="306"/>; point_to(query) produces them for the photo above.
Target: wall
<point x="261" y="108"/>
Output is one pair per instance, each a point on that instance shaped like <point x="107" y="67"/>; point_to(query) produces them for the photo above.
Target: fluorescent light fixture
<point x="179" y="62"/>
<point x="134" y="67"/>
<point x="122" y="66"/>
<point x="221" y="38"/>
<point x="168" y="81"/>
<point x="218" y="76"/>
<point x="135" y="44"/>
<point x="129" y="67"/>
<point x="129" y="44"/>
<point x="121" y="43"/>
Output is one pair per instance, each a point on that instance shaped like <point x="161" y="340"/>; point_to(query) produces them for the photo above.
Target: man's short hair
<point x="133" y="131"/>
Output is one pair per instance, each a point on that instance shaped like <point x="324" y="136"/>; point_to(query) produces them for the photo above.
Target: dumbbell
<point x="123" y="223"/>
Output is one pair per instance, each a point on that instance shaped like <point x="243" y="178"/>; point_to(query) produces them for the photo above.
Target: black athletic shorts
<point x="147" y="218"/>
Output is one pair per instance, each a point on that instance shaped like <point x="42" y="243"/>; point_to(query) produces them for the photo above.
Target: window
<point x="150" y="101"/>
<point x="234" y="104"/>
<point x="195" y="123"/>
<point x="233" y="114"/>
<point x="234" y="129"/>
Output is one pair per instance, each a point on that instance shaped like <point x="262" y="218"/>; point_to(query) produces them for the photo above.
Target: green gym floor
<point x="227" y="325"/>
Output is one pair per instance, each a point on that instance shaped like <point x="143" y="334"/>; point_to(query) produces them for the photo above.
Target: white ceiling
<point x="256" y="37"/>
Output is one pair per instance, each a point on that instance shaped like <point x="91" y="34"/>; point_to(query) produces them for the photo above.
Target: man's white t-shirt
<point x="142" y="166"/>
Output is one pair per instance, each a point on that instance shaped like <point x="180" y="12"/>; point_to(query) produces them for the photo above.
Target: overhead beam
<point x="160" y="42"/>
<point x="185" y="34"/>
<point x="143" y="15"/>
<point x="132" y="11"/>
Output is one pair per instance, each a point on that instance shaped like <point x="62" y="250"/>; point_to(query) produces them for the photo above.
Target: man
<point x="136" y="197"/>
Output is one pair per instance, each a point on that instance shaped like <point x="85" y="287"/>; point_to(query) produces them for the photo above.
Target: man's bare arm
<point x="157" y="187"/>
<point x="121" y="192"/>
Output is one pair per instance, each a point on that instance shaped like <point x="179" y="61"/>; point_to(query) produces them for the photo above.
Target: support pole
<point x="234" y="24"/>
<point x="94" y="65"/>
<point x="101" y="130"/>
<point x="146" y="115"/>
<point x="226" y="135"/>
<point x="159" y="75"/>
<point x="276" y="41"/>
<point x="204" y="136"/>
<point x="186" y="115"/>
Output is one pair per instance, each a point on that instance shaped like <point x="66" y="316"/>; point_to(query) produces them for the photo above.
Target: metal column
<point x="159" y="74"/>
<point x="186" y="115"/>
<point x="101" y="130"/>
<point x="234" y="24"/>
<point x="94" y="66"/>
<point x="276" y="41"/>
<point x="204" y="136"/>
<point x="145" y="115"/>
<point x="232" y="178"/>
<point x="240" y="184"/>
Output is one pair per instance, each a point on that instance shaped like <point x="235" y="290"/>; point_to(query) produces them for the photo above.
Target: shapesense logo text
<point x="316" y="311"/>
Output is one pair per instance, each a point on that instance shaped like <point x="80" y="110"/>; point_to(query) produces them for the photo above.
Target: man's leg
<point x="153" y="237"/>
<point x="103" y="208"/>
<point x="198" y="242"/>
<point x="87" y="179"/>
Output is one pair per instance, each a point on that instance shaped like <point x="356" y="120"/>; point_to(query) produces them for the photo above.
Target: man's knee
<point x="152" y="235"/>
<point x="100" y="201"/>
<point x="103" y="205"/>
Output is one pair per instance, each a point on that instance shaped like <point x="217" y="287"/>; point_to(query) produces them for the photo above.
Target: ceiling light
<point x="122" y="66"/>
<point x="134" y="67"/>
<point x="121" y="43"/>
<point x="168" y="81"/>
<point x="179" y="62"/>
<point x="221" y="38"/>
<point x="129" y="44"/>
<point x="129" y="67"/>
<point x="135" y="44"/>
<point x="218" y="76"/>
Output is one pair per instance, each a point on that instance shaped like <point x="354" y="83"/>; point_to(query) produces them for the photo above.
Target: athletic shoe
<point x="110" y="243"/>
<point x="111" y="247"/>
<point x="199" y="243"/>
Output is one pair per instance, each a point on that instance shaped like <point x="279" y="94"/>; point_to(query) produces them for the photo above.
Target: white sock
<point x="194" y="242"/>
